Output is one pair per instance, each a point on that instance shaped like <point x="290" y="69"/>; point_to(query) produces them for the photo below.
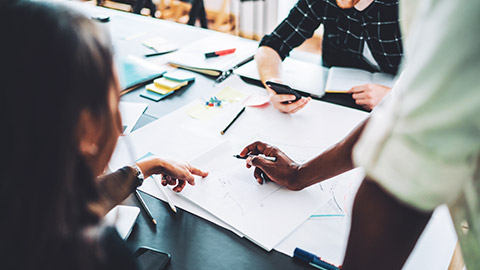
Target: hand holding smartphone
<point x="283" y="89"/>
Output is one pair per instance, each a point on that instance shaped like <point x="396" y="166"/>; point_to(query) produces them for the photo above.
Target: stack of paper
<point x="265" y="214"/>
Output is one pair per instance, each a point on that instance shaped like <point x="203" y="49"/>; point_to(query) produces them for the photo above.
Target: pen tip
<point x="154" y="221"/>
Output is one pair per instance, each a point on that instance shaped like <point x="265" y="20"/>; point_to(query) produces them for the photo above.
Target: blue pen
<point x="312" y="259"/>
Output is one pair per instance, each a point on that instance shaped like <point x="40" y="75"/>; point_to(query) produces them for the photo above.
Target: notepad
<point x="201" y="112"/>
<point x="169" y="84"/>
<point x="159" y="90"/>
<point x="227" y="95"/>
<point x="231" y="95"/>
<point x="179" y="76"/>
<point x="341" y="80"/>
<point x="154" y="96"/>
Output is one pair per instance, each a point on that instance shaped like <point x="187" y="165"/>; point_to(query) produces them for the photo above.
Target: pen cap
<point x="302" y="254"/>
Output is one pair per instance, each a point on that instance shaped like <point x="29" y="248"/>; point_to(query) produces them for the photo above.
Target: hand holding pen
<point x="271" y="164"/>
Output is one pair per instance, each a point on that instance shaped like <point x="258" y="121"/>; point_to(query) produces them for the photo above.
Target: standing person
<point x="419" y="149"/>
<point x="366" y="36"/>
<point x="59" y="111"/>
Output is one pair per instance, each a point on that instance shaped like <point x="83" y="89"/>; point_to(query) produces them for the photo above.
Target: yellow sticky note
<point x="230" y="95"/>
<point x="160" y="90"/>
<point x="169" y="84"/>
<point x="201" y="112"/>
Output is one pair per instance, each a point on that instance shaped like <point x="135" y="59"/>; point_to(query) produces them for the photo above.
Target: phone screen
<point x="151" y="259"/>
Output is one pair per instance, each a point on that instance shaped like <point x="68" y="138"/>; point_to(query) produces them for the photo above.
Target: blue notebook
<point x="134" y="71"/>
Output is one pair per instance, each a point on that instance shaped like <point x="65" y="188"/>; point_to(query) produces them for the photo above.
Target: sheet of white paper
<point x="123" y="217"/>
<point x="327" y="238"/>
<point x="179" y="144"/>
<point x="131" y="112"/>
<point x="265" y="214"/>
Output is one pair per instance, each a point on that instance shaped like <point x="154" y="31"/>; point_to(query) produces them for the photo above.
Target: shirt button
<point x="464" y="226"/>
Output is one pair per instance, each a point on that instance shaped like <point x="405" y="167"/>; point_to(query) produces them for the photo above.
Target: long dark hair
<point x="54" y="63"/>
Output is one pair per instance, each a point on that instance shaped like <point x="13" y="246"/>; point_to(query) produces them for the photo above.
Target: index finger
<point x="180" y="186"/>
<point x="253" y="148"/>
<point x="282" y="98"/>
<point x="358" y="88"/>
<point x="198" y="172"/>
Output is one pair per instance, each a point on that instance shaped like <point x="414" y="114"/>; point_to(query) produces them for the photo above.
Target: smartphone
<point x="151" y="259"/>
<point x="283" y="89"/>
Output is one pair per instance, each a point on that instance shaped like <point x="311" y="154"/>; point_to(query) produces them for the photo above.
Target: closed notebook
<point x="341" y="80"/>
<point x="134" y="71"/>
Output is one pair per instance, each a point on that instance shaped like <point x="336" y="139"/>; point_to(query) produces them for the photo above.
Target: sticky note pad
<point x="179" y="76"/>
<point x="154" y="96"/>
<point x="201" y="112"/>
<point x="231" y="95"/>
<point x="168" y="84"/>
<point x="159" y="90"/>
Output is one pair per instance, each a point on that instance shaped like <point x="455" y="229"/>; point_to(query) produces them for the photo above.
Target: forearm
<point x="383" y="231"/>
<point x="114" y="188"/>
<point x="332" y="162"/>
<point x="269" y="63"/>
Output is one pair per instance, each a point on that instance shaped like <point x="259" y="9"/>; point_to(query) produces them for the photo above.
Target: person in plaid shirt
<point x="364" y="34"/>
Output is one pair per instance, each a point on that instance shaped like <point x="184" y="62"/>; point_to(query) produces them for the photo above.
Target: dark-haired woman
<point x="60" y="122"/>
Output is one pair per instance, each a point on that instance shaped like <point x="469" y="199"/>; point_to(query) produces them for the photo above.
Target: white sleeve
<point x="422" y="145"/>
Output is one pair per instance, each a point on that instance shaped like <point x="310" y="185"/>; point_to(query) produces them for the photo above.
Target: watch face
<point x="139" y="175"/>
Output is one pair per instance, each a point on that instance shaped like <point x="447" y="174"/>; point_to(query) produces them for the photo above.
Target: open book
<point x="192" y="56"/>
<point x="341" y="80"/>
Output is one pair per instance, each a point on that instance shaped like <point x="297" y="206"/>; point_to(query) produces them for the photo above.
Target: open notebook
<point x="341" y="80"/>
<point x="192" y="56"/>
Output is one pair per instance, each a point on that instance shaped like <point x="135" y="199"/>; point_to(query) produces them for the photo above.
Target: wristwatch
<point x="138" y="174"/>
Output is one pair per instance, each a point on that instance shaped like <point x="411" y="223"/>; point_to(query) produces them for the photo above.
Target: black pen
<point x="234" y="119"/>
<point x="229" y="72"/>
<point x="144" y="206"/>
<point x="261" y="155"/>
<point x="158" y="53"/>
